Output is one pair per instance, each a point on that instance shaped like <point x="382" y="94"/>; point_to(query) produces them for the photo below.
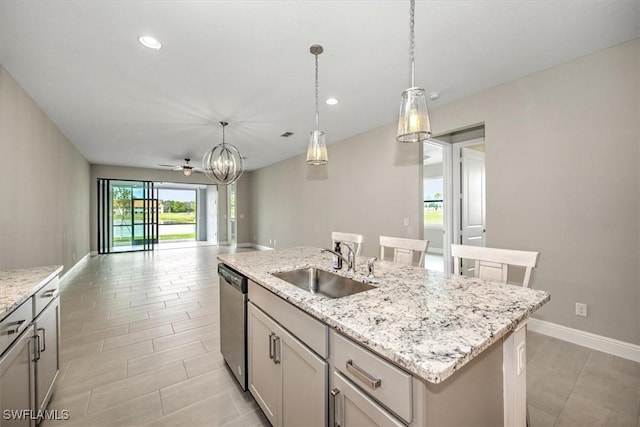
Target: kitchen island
<point x="429" y="324"/>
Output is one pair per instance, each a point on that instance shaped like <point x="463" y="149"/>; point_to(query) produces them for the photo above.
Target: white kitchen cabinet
<point x="17" y="382"/>
<point x="263" y="372"/>
<point x="47" y="332"/>
<point x="287" y="379"/>
<point x="29" y="357"/>
<point x="354" y="408"/>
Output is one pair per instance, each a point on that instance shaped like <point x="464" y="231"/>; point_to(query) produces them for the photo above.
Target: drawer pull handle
<point x="50" y="293"/>
<point x="15" y="330"/>
<point x="271" y="345"/>
<point x="277" y="350"/>
<point x="363" y="376"/>
<point x="332" y="409"/>
<point x="44" y="339"/>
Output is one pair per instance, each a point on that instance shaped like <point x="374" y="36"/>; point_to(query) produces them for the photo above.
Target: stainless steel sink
<point x="323" y="282"/>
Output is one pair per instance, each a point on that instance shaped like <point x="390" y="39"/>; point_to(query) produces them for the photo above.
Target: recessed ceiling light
<point x="332" y="101"/>
<point x="150" y="42"/>
<point x="434" y="96"/>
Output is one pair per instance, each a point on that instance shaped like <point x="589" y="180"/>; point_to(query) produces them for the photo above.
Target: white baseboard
<point x="586" y="339"/>
<point x="73" y="268"/>
<point x="254" y="245"/>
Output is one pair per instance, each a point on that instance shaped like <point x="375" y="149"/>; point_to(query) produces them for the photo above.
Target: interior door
<point x="472" y="201"/>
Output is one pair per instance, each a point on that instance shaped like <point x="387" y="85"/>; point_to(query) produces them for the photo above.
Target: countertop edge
<point x="25" y="296"/>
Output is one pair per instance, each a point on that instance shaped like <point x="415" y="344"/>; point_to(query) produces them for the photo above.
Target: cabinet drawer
<point x="14" y="324"/>
<point x="312" y="332"/>
<point x="45" y="295"/>
<point x="386" y="383"/>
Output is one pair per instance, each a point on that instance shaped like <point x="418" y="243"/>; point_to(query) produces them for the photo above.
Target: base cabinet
<point x="287" y="379"/>
<point x="17" y="382"/>
<point x="30" y="358"/>
<point x="47" y="332"/>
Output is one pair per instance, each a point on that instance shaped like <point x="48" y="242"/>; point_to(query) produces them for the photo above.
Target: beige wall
<point x="562" y="178"/>
<point x="562" y="156"/>
<point x="44" y="186"/>
<point x="370" y="186"/>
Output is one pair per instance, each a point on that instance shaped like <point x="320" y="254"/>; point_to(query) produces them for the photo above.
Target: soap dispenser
<point x="337" y="261"/>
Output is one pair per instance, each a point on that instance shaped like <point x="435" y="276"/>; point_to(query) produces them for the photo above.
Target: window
<point x="433" y="202"/>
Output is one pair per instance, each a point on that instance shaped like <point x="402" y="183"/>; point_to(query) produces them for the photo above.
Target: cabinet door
<point x="304" y="379"/>
<point x="17" y="375"/>
<point x="353" y="408"/>
<point x="264" y="381"/>
<point x="48" y="363"/>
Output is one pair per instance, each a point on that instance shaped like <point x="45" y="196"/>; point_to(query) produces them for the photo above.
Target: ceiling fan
<point x="186" y="168"/>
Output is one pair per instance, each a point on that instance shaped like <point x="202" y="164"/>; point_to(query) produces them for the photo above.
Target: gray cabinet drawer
<point x="14" y="324"/>
<point x="45" y="295"/>
<point x="312" y="332"/>
<point x="386" y="383"/>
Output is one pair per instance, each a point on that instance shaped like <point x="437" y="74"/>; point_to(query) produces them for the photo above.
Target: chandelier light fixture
<point x="413" y="124"/>
<point x="223" y="164"/>
<point x="317" y="150"/>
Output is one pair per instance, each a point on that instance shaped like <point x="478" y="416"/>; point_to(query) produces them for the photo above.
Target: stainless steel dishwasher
<point x="233" y="321"/>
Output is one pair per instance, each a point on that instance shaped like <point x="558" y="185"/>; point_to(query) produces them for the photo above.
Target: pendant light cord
<point x="412" y="41"/>
<point x="317" y="95"/>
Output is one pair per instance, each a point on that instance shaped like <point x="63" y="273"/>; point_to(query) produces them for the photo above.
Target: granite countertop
<point x="16" y="286"/>
<point x="427" y="322"/>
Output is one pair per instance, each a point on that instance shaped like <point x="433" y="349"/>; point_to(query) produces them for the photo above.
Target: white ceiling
<point x="248" y="62"/>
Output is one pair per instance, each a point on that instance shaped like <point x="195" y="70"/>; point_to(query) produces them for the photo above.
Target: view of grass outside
<point x="176" y="216"/>
<point x="433" y="216"/>
<point x="433" y="201"/>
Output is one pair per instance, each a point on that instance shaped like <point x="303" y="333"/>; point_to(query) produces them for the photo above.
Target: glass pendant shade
<point x="223" y="164"/>
<point x="317" y="150"/>
<point x="186" y="170"/>
<point x="413" y="124"/>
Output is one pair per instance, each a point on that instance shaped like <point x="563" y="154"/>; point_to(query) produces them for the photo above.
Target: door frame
<point x="457" y="190"/>
<point x="447" y="203"/>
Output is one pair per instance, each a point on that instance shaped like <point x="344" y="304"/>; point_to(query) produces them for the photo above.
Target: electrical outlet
<point x="406" y="222"/>
<point x="581" y="309"/>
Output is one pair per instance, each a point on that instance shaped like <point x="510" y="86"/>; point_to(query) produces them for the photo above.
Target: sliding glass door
<point x="127" y="216"/>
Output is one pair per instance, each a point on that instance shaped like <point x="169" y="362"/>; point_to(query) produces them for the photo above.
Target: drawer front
<point x="45" y="295"/>
<point x="312" y="332"/>
<point x="14" y="324"/>
<point x="383" y="381"/>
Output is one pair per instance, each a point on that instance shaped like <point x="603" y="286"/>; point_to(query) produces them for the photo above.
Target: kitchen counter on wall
<point x="427" y="322"/>
<point x="16" y="286"/>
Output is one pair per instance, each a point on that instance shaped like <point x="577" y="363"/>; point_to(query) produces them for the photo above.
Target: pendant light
<point x="223" y="164"/>
<point x="413" y="124"/>
<point x="317" y="150"/>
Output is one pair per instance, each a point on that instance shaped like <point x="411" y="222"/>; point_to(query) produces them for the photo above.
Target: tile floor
<point x="140" y="344"/>
<point x="570" y="385"/>
<point x="140" y="347"/>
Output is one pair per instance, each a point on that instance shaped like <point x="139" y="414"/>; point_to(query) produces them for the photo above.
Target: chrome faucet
<point x="350" y="259"/>
<point x="370" y="267"/>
